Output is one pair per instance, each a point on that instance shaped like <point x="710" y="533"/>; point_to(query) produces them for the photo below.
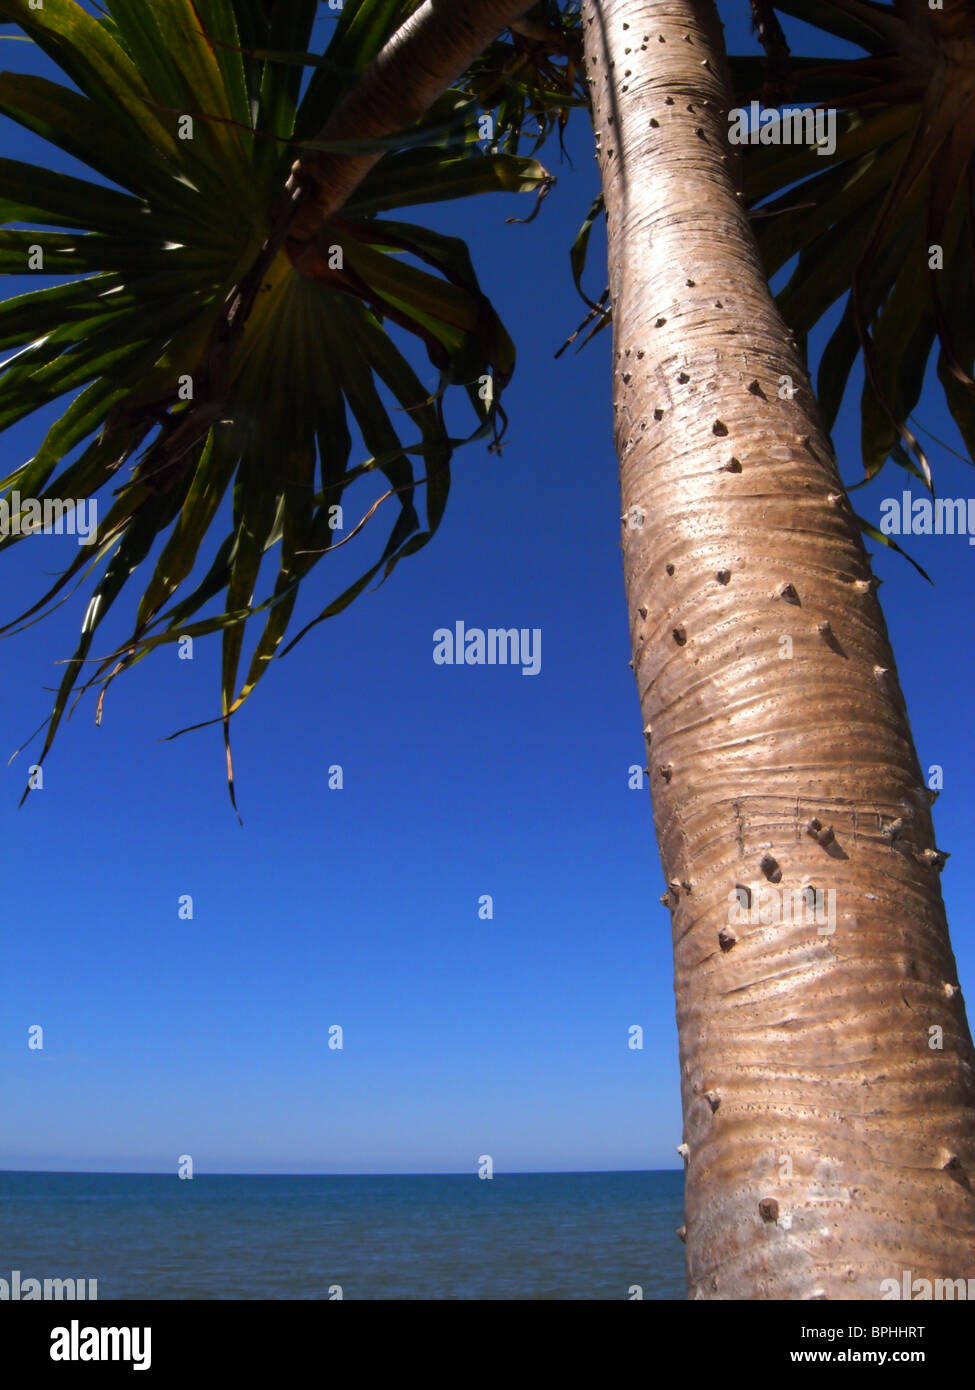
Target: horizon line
<point x="467" y="1173"/>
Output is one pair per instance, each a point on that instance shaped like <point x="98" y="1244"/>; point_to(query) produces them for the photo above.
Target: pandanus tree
<point x="815" y="1166"/>
<point x="238" y="287"/>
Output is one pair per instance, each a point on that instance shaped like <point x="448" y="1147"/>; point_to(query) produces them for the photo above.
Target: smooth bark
<point x="829" y="1131"/>
<point x="428" y="52"/>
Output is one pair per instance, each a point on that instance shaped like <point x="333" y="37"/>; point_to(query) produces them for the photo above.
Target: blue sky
<point x="359" y="907"/>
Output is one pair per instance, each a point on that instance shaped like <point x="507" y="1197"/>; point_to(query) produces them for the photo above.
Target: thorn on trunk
<point x="768" y="1209"/>
<point x="727" y="938"/>
<point x="770" y="868"/>
<point x="788" y="592"/>
<point x="826" y="632"/>
<point x="822" y="834"/>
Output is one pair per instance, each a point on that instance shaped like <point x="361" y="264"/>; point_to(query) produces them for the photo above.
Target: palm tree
<point x="827" y="1145"/>
<point x="242" y="298"/>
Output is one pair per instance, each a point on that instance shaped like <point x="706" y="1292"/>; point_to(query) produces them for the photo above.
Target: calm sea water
<point x="517" y="1236"/>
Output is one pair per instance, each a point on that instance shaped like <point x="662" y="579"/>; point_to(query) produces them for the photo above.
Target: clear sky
<point x="359" y="907"/>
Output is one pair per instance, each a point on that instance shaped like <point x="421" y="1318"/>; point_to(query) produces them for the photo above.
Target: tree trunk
<point x="827" y="1072"/>
<point x="431" y="49"/>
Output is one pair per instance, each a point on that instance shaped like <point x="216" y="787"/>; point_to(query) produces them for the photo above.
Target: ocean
<point x="515" y="1236"/>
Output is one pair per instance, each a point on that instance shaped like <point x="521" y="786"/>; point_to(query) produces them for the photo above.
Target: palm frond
<point x="223" y="375"/>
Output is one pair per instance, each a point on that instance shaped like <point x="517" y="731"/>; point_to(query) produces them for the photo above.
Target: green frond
<point x="190" y="109"/>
